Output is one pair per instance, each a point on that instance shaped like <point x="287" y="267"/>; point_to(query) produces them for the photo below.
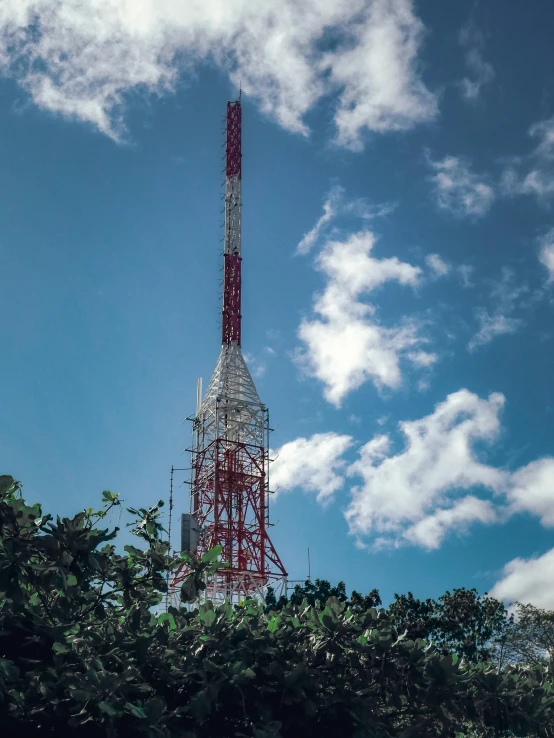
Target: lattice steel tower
<point x="229" y="455"/>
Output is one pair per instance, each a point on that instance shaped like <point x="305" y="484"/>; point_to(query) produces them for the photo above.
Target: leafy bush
<point x="82" y="652"/>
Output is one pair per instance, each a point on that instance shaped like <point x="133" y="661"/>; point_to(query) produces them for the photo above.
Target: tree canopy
<point x="83" y="653"/>
<point x="460" y="622"/>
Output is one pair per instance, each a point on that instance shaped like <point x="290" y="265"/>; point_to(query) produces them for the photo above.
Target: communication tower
<point x="229" y="501"/>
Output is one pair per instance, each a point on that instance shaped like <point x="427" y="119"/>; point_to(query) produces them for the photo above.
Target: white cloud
<point x="533" y="174"/>
<point x="407" y="496"/>
<point x="465" y="271"/>
<point x="544" y="131"/>
<point x="530" y="581"/>
<point x="313" y="464"/>
<point x="345" y="345"/>
<point x="258" y="363"/>
<point x="330" y="211"/>
<point x="491" y="326"/>
<point x="337" y="205"/>
<point x="387" y="38"/>
<point x="436" y="485"/>
<point x="82" y="58"/>
<point x="532" y="490"/>
<point x="431" y="530"/>
<point x="422" y="358"/>
<point x="437" y="265"/>
<point x="459" y="190"/>
<point x="546" y="254"/>
<point x="482" y="73"/>
<point x="505" y="298"/>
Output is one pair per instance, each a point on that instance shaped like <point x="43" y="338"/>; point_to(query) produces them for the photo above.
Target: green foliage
<point x="319" y="591"/>
<point x="528" y="639"/>
<point x="82" y="652"/>
<point x="460" y="622"/>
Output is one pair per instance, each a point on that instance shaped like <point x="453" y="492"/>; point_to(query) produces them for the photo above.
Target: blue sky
<point x="398" y="243"/>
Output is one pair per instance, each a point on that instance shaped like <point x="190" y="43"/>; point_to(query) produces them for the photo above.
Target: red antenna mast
<point x="233" y="207"/>
<point x="229" y="485"/>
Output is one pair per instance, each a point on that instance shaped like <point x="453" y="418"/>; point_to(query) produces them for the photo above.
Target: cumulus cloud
<point x="437" y="485"/>
<point x="437" y="265"/>
<point x="546" y="253"/>
<point x="534" y="173"/>
<point x="82" y="59"/>
<point x="314" y="464"/>
<point x="529" y="581"/>
<point x="481" y="72"/>
<point x="387" y="37"/>
<point x="458" y="189"/>
<point x="532" y="490"/>
<point x="431" y="530"/>
<point x="408" y="495"/>
<point x="345" y="345"/>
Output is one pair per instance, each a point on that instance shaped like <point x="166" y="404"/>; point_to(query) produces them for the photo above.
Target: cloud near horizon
<point x="527" y="581"/>
<point x="81" y="59"/>
<point x="436" y="486"/>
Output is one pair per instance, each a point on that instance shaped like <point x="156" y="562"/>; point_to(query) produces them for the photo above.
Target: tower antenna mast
<point x="230" y="451"/>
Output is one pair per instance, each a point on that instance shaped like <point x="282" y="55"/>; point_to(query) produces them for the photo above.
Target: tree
<point x="529" y="639"/>
<point x="460" y="622"/>
<point x="319" y="591"/>
<point x="82" y="652"/>
<point x="359" y="603"/>
<point x="413" y="616"/>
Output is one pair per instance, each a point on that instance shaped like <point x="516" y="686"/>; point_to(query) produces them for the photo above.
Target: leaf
<point x="133" y="551"/>
<point x="7" y="484"/>
<point x="207" y="617"/>
<point x="137" y="711"/>
<point x="107" y="708"/>
<point x="327" y="621"/>
<point x="81" y="695"/>
<point x="60" y="648"/>
<point x="72" y="580"/>
<point x="273" y="624"/>
<point x="169" y="617"/>
<point x="8" y="669"/>
<point x="211" y="555"/>
<point x="154" y="709"/>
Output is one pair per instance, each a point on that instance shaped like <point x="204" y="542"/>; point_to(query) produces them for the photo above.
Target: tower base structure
<point x="229" y="486"/>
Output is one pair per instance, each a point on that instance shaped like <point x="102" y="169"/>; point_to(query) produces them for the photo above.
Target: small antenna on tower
<point x="198" y="395"/>
<point x="169" y="534"/>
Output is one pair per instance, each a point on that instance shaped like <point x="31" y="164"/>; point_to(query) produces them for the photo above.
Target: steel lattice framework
<point x="229" y="485"/>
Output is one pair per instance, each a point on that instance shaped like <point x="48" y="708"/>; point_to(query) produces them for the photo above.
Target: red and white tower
<point x="229" y="486"/>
